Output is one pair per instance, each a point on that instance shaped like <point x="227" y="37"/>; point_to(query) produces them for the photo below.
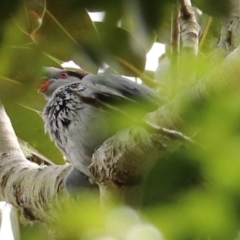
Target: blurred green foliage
<point x="193" y="193"/>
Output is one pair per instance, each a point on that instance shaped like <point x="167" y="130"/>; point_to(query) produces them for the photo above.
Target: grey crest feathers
<point x="57" y="77"/>
<point x="83" y="111"/>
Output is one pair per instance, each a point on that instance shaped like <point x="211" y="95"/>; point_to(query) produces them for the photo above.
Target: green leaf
<point x="65" y="31"/>
<point x="8" y="9"/>
<point x="29" y="127"/>
<point x="123" y="52"/>
<point x="213" y="7"/>
<point x="20" y="76"/>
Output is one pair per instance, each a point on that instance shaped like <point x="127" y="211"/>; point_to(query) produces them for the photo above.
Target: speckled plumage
<point x="75" y="127"/>
<point x="84" y="110"/>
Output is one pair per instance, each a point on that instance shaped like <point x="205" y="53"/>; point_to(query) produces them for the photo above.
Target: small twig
<point x="29" y="187"/>
<point x="205" y="33"/>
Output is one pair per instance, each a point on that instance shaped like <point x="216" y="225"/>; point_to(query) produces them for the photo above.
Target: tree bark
<point x="190" y="29"/>
<point x="27" y="186"/>
<point x="230" y="34"/>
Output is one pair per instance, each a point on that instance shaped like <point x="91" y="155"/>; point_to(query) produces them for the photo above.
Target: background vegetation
<point x="193" y="193"/>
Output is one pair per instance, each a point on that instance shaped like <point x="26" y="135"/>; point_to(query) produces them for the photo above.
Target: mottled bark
<point x="190" y="29"/>
<point x="230" y="33"/>
<point x="27" y="186"/>
<point x="120" y="165"/>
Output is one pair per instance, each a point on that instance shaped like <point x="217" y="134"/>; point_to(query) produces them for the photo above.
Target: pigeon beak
<point x="44" y="87"/>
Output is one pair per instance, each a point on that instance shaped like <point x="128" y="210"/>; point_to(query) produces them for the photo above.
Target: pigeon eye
<point x="64" y="75"/>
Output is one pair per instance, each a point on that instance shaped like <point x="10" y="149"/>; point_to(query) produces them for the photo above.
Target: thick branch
<point x="190" y="29"/>
<point x="223" y="77"/>
<point x="125" y="159"/>
<point x="26" y="185"/>
<point x="230" y="32"/>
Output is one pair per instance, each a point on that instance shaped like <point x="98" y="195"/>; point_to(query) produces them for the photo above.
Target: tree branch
<point x="120" y="165"/>
<point x="26" y="185"/>
<point x="125" y="159"/>
<point x="230" y="33"/>
<point x="190" y="29"/>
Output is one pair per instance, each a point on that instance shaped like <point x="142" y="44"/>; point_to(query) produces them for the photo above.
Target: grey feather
<point x="84" y="111"/>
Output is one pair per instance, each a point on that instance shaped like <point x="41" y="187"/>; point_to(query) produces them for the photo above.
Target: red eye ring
<point x="64" y="75"/>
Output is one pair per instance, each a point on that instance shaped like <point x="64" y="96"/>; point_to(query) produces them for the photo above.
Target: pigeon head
<point x="55" y="78"/>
